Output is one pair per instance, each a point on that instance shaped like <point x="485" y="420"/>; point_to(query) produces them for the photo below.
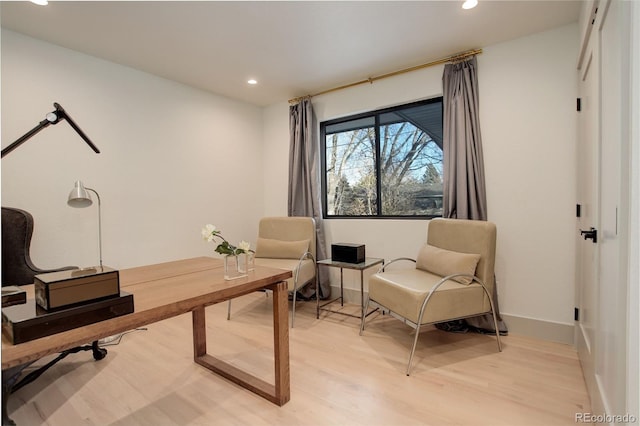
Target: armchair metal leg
<point x="495" y="324"/>
<point x="317" y="279"/>
<point x="415" y="339"/>
<point x="366" y="309"/>
<point x="413" y="348"/>
<point x="426" y="301"/>
<point x="495" y="318"/>
<point x="293" y="308"/>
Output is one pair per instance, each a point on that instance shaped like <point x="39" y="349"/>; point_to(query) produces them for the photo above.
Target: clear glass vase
<point x="251" y="261"/>
<point x="235" y="266"/>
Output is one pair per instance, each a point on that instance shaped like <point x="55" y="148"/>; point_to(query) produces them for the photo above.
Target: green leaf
<point x="225" y="248"/>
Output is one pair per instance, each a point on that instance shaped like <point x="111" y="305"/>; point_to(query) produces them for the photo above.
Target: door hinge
<point x="576" y="314"/>
<point x="578" y="210"/>
<point x="578" y="104"/>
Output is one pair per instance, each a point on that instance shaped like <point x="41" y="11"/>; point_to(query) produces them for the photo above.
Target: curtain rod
<point x="454" y="58"/>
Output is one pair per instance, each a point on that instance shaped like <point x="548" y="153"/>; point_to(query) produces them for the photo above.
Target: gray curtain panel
<point x="464" y="191"/>
<point x="464" y="194"/>
<point x="304" y="181"/>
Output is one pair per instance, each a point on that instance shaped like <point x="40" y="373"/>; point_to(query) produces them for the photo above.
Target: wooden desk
<point x="169" y="289"/>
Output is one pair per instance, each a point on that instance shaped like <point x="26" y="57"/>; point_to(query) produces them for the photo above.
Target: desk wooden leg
<point x="281" y="343"/>
<point x="199" y="333"/>
<point x="278" y="393"/>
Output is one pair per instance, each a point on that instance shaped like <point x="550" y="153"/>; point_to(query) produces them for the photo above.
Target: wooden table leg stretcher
<point x="278" y="393"/>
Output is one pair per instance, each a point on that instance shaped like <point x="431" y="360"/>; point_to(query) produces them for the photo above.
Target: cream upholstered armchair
<point x="288" y="243"/>
<point x="453" y="277"/>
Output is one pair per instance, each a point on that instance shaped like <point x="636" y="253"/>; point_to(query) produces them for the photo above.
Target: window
<point x="385" y="163"/>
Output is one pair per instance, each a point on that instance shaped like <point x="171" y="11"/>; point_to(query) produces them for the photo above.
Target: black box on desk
<point x="57" y="290"/>
<point x="13" y="295"/>
<point x="347" y="252"/>
<point x="28" y="321"/>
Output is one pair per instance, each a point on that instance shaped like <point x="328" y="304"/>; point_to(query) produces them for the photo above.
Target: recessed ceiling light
<point x="252" y="81"/>
<point x="469" y="4"/>
<point x="40" y="2"/>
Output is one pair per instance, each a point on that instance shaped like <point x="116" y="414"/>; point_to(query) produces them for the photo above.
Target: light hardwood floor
<point x="337" y="377"/>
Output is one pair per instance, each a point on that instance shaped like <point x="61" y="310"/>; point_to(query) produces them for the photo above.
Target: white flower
<point x="244" y="246"/>
<point x="211" y="233"/>
<point x="208" y="232"/>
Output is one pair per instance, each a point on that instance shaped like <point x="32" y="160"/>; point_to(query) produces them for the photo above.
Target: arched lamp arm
<point x="51" y="118"/>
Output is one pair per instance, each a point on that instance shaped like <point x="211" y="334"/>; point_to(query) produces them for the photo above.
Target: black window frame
<point x="376" y="115"/>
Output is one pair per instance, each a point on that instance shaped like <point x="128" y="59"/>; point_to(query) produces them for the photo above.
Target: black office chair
<point x="18" y="269"/>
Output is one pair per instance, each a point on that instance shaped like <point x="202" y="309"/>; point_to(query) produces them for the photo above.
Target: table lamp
<point x="79" y="197"/>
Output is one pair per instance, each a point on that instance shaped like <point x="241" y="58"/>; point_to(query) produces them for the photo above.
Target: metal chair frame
<point x="424" y="305"/>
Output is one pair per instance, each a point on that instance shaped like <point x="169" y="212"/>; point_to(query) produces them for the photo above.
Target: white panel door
<point x="612" y="306"/>
<point x="587" y="198"/>
<point x="603" y="170"/>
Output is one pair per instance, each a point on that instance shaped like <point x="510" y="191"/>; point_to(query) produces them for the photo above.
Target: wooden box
<point x="62" y="289"/>
<point x="28" y="321"/>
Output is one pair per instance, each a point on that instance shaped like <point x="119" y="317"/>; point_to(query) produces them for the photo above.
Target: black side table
<point x="368" y="263"/>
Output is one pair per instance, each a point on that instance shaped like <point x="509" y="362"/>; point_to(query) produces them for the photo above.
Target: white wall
<point x="173" y="158"/>
<point x="528" y="89"/>
<point x="276" y="159"/>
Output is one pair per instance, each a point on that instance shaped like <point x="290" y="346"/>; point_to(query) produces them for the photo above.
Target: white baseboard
<point x="539" y="329"/>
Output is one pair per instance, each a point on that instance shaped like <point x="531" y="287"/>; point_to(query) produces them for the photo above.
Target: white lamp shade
<point x="79" y="197"/>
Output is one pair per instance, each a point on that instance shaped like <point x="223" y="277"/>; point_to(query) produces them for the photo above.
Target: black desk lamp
<point x="51" y="118"/>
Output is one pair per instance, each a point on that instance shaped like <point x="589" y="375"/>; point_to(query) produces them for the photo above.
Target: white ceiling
<point x="292" y="48"/>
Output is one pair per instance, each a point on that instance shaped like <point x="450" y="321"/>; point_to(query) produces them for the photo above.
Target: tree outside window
<point x="386" y="163"/>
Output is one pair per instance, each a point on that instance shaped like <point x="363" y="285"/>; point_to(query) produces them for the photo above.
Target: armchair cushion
<point x="446" y="262"/>
<point x="403" y="292"/>
<point x="279" y="249"/>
